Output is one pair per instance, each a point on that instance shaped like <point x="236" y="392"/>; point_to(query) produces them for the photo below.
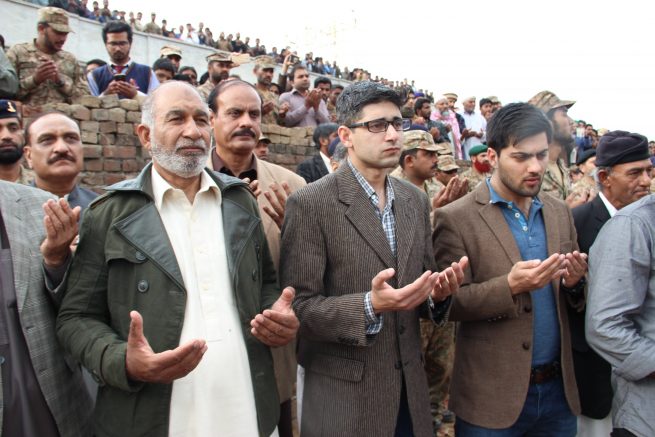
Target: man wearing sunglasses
<point x="356" y="245"/>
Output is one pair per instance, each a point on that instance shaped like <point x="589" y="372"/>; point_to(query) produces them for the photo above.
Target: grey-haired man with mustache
<point x="53" y="150"/>
<point x="236" y="113"/>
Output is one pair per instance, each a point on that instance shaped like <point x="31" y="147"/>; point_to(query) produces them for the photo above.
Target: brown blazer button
<point x="401" y="329"/>
<point x="527" y="308"/>
<point x="526" y="345"/>
<point x="398" y="365"/>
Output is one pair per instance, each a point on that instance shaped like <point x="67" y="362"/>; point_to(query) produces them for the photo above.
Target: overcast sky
<point x="599" y="53"/>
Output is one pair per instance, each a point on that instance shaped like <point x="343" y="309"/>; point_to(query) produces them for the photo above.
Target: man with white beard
<point x="172" y="300"/>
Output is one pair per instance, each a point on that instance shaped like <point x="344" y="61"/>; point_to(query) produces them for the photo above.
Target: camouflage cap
<point x="167" y="51"/>
<point x="264" y="138"/>
<point x="56" y="18"/>
<point x="447" y="163"/>
<point x="493" y="99"/>
<point x="547" y="100"/>
<point x="8" y="109"/>
<point x="265" y="61"/>
<point x="451" y="96"/>
<point x="419" y="139"/>
<point x="219" y="57"/>
<point x="444" y="148"/>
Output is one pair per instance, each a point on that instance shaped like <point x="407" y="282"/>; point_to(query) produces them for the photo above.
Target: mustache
<point x="61" y="157"/>
<point x="244" y="132"/>
<point x="8" y="143"/>
<point x="186" y="143"/>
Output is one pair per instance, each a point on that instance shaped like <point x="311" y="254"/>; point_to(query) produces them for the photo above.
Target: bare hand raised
<point x="386" y="298"/>
<point x="143" y="364"/>
<point x="527" y="276"/>
<point x="278" y="325"/>
<point x="60" y="224"/>
<point x="278" y="201"/>
<point x="576" y="268"/>
<point x="449" y="280"/>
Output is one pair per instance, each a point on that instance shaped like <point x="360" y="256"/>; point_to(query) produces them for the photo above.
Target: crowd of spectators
<point x="521" y="158"/>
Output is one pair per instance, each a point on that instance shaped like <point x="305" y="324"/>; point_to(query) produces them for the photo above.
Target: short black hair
<point x="515" y="122"/>
<point x="212" y="99"/>
<point x="360" y="94"/>
<point x="485" y="101"/>
<point x="164" y="64"/>
<point x="404" y="154"/>
<point x="323" y="131"/>
<point x="98" y="62"/>
<point x="292" y="73"/>
<point x="337" y="86"/>
<point x="322" y="79"/>
<point x="418" y="104"/>
<point x="188" y="67"/>
<point x="116" y="27"/>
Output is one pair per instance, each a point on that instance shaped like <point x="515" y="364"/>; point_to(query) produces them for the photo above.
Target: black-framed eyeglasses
<point x="381" y="125"/>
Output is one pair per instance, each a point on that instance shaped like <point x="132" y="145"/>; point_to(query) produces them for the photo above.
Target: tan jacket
<point x="493" y="354"/>
<point x="284" y="358"/>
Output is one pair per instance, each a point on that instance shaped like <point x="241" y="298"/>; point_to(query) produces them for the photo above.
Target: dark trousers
<point x="404" y="421"/>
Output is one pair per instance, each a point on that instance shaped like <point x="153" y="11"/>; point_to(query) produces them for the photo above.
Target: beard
<point x="186" y="166"/>
<point x="11" y="156"/>
<point x="563" y="138"/>
<point x="482" y="167"/>
<point x="517" y="187"/>
<point x="218" y="77"/>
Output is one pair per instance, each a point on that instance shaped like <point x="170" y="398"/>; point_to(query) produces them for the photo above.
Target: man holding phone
<point x="122" y="76"/>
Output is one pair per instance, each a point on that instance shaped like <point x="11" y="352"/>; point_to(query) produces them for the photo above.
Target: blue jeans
<point x="545" y="413"/>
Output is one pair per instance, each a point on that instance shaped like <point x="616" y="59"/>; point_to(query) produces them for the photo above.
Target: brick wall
<point x="112" y="151"/>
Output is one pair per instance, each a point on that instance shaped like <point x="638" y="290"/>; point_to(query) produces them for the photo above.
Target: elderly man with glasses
<point x="356" y="246"/>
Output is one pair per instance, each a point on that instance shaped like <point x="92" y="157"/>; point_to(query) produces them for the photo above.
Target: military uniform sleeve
<point x="26" y="82"/>
<point x="8" y="78"/>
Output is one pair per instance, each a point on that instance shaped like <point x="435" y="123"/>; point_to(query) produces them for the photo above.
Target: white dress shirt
<point x="610" y="208"/>
<point x="326" y="161"/>
<point x="217" y="397"/>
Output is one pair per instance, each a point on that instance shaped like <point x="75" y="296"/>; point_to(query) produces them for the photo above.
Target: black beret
<point x="619" y="147"/>
<point x="584" y="156"/>
<point x="8" y="109"/>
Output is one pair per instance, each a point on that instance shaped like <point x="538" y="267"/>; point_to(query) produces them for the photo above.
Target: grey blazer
<point x="58" y="375"/>
<point x="332" y="246"/>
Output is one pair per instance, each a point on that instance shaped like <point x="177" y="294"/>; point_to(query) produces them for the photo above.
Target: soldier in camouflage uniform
<point x="418" y="165"/>
<point x="12" y="140"/>
<point x="585" y="186"/>
<point x="264" y="70"/>
<point x="418" y="162"/>
<point x="152" y="26"/>
<point x="218" y="66"/>
<point x="48" y="74"/>
<point x="556" y="180"/>
<point x="480" y="167"/>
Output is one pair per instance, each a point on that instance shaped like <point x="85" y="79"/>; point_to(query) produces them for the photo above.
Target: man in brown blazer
<point x="513" y="371"/>
<point x="234" y="155"/>
<point x="356" y="246"/>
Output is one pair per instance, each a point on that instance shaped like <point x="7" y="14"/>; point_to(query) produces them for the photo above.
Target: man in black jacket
<point x="623" y="177"/>
<point x="318" y="165"/>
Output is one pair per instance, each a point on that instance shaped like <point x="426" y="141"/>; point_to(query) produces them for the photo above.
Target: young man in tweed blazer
<point x="356" y="247"/>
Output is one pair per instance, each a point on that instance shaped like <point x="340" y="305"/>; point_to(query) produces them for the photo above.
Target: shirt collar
<point x="368" y="189"/>
<point x="219" y="166"/>
<point x="494" y="197"/>
<point x="160" y="187"/>
<point x="610" y="208"/>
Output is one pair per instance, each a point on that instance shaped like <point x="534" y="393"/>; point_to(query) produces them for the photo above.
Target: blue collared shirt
<point x="530" y="237"/>
<point x="388" y="220"/>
